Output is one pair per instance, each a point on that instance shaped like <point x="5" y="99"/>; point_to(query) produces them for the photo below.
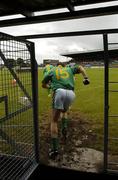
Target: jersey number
<point x="61" y="74"/>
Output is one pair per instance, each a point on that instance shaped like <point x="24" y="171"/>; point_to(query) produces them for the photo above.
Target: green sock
<point x="54" y="144"/>
<point x="64" y="122"/>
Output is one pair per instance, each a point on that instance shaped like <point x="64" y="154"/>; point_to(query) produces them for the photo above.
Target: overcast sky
<point x="51" y="48"/>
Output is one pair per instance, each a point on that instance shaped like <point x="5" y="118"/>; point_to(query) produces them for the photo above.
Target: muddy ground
<point x="75" y="153"/>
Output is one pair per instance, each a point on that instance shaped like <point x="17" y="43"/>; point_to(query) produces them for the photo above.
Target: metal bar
<point x="110" y="171"/>
<point x="6" y="37"/>
<point x="114" y="163"/>
<point x="101" y="11"/>
<point x="2" y="98"/>
<point x="114" y="116"/>
<point x="31" y="170"/>
<point x="12" y="156"/>
<point x="106" y="100"/>
<point x="34" y="68"/>
<point x="112" y="43"/>
<point x="6" y="105"/>
<point x="5" y="99"/>
<point x="21" y="50"/>
<point x="10" y="141"/>
<point x="9" y="116"/>
<point x="9" y="168"/>
<point x="18" y="143"/>
<point x="52" y="6"/>
<point x="113" y="138"/>
<point x="16" y="126"/>
<point x="113" y="90"/>
<point x="15" y="76"/>
<point x="113" y="82"/>
<point x="66" y="34"/>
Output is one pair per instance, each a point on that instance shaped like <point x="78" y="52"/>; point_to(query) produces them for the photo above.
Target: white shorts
<point x="62" y="99"/>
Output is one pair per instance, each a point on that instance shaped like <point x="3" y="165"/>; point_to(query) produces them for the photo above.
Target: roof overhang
<point x="92" y="55"/>
<point x="28" y="8"/>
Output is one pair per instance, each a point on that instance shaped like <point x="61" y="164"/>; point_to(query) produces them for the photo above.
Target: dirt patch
<point x="74" y="153"/>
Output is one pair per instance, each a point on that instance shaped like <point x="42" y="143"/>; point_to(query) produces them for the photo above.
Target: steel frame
<point x="104" y="33"/>
<point x="67" y="16"/>
<point x="61" y="16"/>
<point x="33" y="100"/>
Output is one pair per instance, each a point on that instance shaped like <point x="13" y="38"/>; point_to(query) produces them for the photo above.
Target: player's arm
<point x="46" y="80"/>
<point x="80" y="69"/>
<point x="45" y="86"/>
<point x="83" y="72"/>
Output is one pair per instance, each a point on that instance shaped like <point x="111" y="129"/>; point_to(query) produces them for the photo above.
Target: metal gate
<point x="18" y="108"/>
<point x="111" y="115"/>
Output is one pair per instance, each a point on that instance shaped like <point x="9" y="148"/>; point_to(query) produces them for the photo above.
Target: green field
<point x="89" y="105"/>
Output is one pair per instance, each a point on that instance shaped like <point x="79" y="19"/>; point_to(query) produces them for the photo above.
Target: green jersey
<point x="61" y="78"/>
<point x="47" y="69"/>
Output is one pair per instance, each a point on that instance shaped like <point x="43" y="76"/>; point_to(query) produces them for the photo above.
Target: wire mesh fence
<point x="17" y="147"/>
<point x="113" y="110"/>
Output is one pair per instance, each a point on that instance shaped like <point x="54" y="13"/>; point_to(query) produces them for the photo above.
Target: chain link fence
<point x="17" y="141"/>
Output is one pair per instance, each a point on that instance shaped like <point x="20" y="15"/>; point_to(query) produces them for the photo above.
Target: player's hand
<point x="86" y="81"/>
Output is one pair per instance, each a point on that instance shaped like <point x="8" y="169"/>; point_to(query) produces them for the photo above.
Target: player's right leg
<point x="53" y="152"/>
<point x="54" y="134"/>
<point x="68" y="100"/>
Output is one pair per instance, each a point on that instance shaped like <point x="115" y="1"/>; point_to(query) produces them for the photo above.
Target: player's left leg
<point x="64" y="124"/>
